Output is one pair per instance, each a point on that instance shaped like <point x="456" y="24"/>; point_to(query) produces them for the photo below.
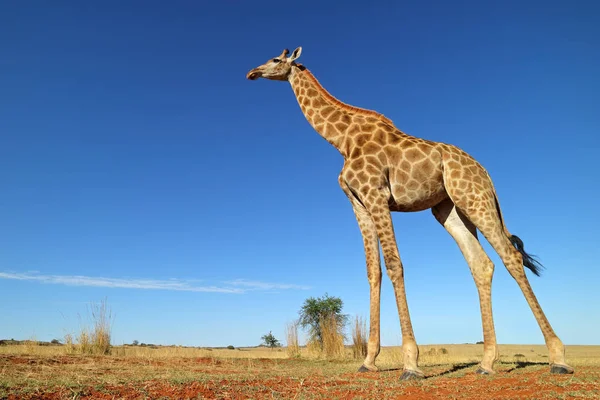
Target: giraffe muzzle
<point x="254" y="74"/>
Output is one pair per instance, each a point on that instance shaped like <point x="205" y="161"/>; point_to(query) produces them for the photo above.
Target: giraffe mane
<point x="341" y="104"/>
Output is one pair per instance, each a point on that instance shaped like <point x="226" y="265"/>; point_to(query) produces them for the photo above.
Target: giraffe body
<point x="387" y="170"/>
<point x="377" y="153"/>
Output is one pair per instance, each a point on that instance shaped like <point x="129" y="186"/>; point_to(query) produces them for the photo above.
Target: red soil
<point x="530" y="382"/>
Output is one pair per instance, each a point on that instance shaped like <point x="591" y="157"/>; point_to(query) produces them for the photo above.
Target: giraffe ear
<point x="295" y="54"/>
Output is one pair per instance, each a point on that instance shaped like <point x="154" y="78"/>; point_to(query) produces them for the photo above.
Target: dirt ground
<point x="78" y="377"/>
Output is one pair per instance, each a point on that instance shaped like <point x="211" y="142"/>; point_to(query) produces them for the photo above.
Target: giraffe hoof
<point x="409" y="375"/>
<point x="365" y="369"/>
<point x="482" y="371"/>
<point x="561" y="369"/>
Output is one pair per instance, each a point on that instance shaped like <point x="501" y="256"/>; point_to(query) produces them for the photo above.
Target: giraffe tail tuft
<point x="529" y="260"/>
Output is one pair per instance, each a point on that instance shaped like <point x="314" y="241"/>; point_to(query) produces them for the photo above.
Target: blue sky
<point x="139" y="165"/>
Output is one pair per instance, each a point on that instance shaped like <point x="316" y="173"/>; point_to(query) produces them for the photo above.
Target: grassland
<point x="135" y="372"/>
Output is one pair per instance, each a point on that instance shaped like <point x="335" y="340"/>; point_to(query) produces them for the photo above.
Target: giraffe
<point x="387" y="170"/>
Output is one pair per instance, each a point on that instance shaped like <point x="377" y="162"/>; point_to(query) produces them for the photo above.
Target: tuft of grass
<point x="69" y="344"/>
<point x="333" y="338"/>
<point x="314" y="349"/>
<point x="100" y="336"/>
<point x="85" y="346"/>
<point x="331" y="344"/>
<point x="31" y="345"/>
<point x="93" y="339"/>
<point x="293" y="347"/>
<point x="359" y="338"/>
<point x="433" y="355"/>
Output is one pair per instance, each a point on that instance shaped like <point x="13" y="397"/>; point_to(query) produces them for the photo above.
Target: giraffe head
<point x="278" y="68"/>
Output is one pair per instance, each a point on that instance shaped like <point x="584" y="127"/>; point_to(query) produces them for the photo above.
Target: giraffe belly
<point x="427" y="195"/>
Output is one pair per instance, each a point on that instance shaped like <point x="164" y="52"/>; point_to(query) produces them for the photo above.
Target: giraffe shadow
<point x="524" y="364"/>
<point x="454" y="368"/>
<point x="461" y="366"/>
<point x="390" y="369"/>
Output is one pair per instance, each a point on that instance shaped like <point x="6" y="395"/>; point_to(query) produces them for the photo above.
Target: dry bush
<point x="94" y="339"/>
<point x="31" y="345"/>
<point x="435" y="351"/>
<point x="70" y="347"/>
<point x="333" y="338"/>
<point x="314" y="349"/>
<point x="84" y="340"/>
<point x="293" y="347"/>
<point x="331" y="343"/>
<point x="434" y="355"/>
<point x="100" y="337"/>
<point x="359" y="338"/>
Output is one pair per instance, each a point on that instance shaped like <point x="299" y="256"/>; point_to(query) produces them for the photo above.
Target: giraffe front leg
<point x="371" y="244"/>
<point x="374" y="276"/>
<point x="376" y="201"/>
<point x="373" y="345"/>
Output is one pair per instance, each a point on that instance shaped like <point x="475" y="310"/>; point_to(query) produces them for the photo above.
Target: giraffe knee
<point x="394" y="270"/>
<point x="374" y="276"/>
<point x="482" y="270"/>
<point x="487" y="268"/>
<point x="487" y="265"/>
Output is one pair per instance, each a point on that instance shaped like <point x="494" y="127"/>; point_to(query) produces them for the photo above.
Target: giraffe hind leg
<point x="465" y="234"/>
<point x="471" y="190"/>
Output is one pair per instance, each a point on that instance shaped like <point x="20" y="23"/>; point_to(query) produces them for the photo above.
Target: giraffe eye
<point x="276" y="60"/>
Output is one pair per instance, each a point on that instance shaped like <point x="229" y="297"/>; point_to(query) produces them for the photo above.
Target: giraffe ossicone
<point x="387" y="170"/>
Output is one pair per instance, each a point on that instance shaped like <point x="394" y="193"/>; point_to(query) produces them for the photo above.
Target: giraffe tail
<point x="529" y="260"/>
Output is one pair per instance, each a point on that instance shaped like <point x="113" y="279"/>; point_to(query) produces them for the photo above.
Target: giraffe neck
<point x="331" y="118"/>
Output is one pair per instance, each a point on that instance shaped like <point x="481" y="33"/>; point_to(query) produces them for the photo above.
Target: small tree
<point x="316" y="310"/>
<point x="270" y="341"/>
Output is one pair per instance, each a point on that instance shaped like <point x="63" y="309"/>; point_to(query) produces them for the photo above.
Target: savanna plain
<point x="31" y="371"/>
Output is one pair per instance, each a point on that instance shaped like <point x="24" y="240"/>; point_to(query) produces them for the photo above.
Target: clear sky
<point x="138" y="164"/>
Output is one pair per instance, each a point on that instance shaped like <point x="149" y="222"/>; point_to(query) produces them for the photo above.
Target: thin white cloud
<point x="256" y="285"/>
<point x="149" y="284"/>
<point x="237" y="286"/>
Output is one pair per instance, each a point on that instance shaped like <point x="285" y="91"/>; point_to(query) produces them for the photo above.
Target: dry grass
<point x="333" y="338"/>
<point x="390" y="356"/>
<point x="169" y="372"/>
<point x="70" y="347"/>
<point x="331" y="346"/>
<point x="312" y="350"/>
<point x="359" y="338"/>
<point x="100" y="335"/>
<point x="293" y="347"/>
<point x="430" y="355"/>
<point x="31" y="344"/>
<point x="152" y="352"/>
<point x="94" y="337"/>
